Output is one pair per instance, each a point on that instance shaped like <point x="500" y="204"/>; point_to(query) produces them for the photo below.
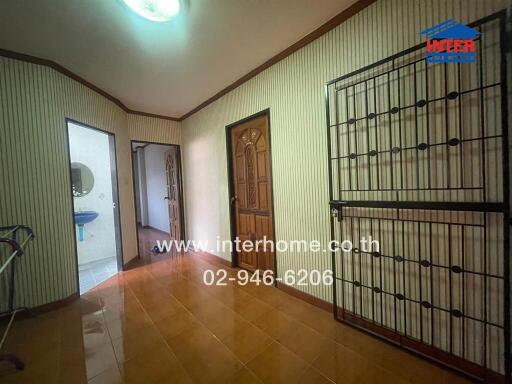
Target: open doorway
<point x="158" y="195"/>
<point x="93" y="173"/>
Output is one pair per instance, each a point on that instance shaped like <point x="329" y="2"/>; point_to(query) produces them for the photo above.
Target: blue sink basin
<point x="84" y="217"/>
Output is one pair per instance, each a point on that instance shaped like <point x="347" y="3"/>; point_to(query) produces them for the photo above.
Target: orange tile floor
<point x="159" y="323"/>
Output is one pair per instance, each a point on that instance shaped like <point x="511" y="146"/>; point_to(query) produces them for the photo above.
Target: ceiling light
<point x="155" y="10"/>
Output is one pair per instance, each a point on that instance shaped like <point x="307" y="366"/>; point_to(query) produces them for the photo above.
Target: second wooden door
<point x="252" y="199"/>
<point x="173" y="190"/>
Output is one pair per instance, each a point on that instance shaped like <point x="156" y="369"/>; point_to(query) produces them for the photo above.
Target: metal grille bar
<point x="418" y="160"/>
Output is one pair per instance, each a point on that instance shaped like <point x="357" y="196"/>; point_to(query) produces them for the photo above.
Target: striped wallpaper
<point x="35" y="187"/>
<point x="35" y="100"/>
<point x="145" y="128"/>
<point x="293" y="89"/>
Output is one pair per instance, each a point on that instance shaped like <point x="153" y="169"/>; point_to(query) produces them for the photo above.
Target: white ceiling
<point x="162" y="68"/>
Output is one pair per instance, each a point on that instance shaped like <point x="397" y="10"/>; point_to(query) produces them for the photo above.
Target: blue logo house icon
<point x="450" y="42"/>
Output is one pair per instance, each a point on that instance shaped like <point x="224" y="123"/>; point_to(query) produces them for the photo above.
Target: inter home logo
<point x="450" y="42"/>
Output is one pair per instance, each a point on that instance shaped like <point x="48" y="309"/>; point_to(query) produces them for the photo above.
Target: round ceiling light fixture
<point x="155" y="10"/>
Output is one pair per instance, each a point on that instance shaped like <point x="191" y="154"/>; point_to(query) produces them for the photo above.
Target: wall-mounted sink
<point x="82" y="218"/>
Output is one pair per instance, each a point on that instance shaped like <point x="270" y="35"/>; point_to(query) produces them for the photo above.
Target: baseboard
<point x="322" y="304"/>
<point x="133" y="263"/>
<point x="48" y="307"/>
<point x="211" y="258"/>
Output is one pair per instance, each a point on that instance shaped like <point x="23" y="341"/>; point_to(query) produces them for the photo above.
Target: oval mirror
<point x="82" y="179"/>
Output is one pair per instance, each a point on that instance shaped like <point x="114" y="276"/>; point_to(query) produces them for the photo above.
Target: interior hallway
<point x="159" y="323"/>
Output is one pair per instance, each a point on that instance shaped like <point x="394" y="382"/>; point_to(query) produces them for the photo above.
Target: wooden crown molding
<point x="66" y="72"/>
<point x="323" y="29"/>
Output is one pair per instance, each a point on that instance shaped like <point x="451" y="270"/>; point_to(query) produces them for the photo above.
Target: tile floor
<point x="158" y="323"/>
<point x="96" y="272"/>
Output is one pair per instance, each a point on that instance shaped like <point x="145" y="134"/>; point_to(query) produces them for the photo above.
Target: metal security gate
<point x="419" y="161"/>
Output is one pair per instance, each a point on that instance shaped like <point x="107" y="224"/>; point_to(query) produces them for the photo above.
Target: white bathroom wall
<point x="156" y="186"/>
<point x="91" y="148"/>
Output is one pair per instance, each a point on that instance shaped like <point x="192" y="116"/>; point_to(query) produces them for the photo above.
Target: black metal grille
<point x="418" y="160"/>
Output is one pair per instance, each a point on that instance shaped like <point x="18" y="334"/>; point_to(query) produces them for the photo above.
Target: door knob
<point x="233" y="199"/>
<point x="166" y="198"/>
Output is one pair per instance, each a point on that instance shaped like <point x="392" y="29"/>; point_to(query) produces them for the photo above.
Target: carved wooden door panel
<point x="252" y="187"/>
<point x="171" y="168"/>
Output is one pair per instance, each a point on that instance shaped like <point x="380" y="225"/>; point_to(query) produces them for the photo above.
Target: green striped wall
<point x="34" y="178"/>
<point x="293" y="89"/>
<point x="145" y="128"/>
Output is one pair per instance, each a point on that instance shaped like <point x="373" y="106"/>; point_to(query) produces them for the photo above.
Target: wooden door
<point x="252" y="199"/>
<point x="173" y="190"/>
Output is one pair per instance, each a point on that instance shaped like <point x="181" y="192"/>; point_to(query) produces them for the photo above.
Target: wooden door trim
<point x="231" y="187"/>
<point x="180" y="186"/>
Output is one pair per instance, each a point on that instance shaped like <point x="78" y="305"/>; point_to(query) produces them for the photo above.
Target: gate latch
<point x="337" y="209"/>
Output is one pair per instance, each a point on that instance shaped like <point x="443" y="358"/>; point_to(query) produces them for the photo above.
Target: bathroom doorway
<point x="158" y="195"/>
<point x="93" y="174"/>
